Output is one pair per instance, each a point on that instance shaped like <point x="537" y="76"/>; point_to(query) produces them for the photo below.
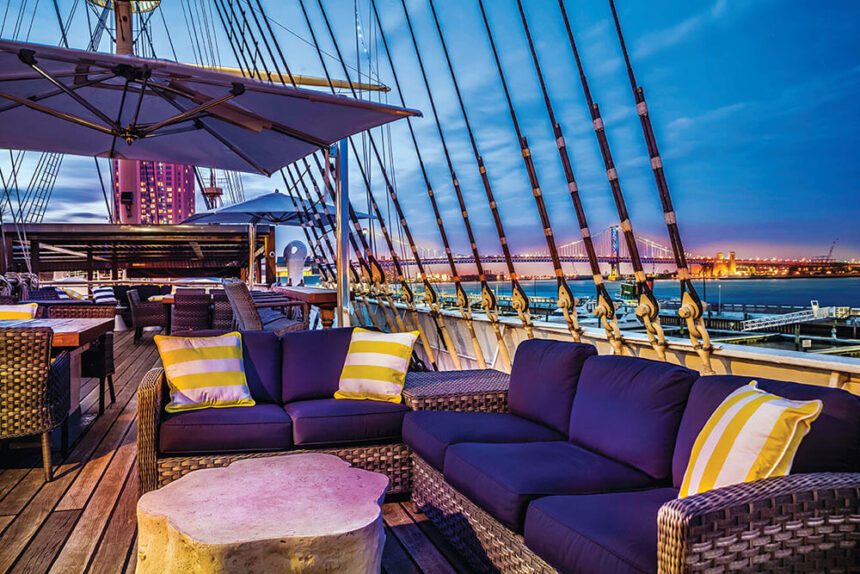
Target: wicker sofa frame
<point x="798" y="523"/>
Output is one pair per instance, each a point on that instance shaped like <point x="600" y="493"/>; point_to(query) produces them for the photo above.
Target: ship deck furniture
<point x="323" y="299"/>
<point x="307" y="513"/>
<point x="583" y="474"/>
<point x="145" y="314"/>
<point x="263" y="313"/>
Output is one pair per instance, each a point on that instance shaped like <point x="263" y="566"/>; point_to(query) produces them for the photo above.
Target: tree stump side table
<point x="293" y="513"/>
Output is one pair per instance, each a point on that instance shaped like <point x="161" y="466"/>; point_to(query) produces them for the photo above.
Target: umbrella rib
<point x="188" y="114"/>
<point x="119" y="118"/>
<point x="56" y="113"/>
<point x="27" y="57"/>
<point x="52" y="93"/>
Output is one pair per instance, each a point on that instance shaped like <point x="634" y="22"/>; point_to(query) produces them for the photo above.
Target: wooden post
<point x="271" y="256"/>
<point x="34" y="257"/>
<point x="89" y="269"/>
<point x="6" y="262"/>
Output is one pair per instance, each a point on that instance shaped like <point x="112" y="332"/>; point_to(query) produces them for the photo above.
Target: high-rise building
<point x="163" y="192"/>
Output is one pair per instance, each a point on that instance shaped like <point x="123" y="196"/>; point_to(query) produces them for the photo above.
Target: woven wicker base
<point x="481" y="539"/>
<point x="392" y="460"/>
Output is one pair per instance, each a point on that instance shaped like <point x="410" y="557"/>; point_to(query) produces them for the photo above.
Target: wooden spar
<point x="429" y="290"/>
<point x="566" y="301"/>
<point x="464" y="306"/>
<point x="605" y="309"/>
<point x="692" y="308"/>
<point x="648" y="310"/>
<point x="488" y="298"/>
<point x="519" y="300"/>
<point x="300" y="80"/>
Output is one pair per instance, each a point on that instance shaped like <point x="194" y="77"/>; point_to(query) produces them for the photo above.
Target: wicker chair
<point x="222" y="312"/>
<point x="34" y="392"/>
<point x="190" y="310"/>
<point x="97" y="361"/>
<point x="145" y="314"/>
<point x="259" y="315"/>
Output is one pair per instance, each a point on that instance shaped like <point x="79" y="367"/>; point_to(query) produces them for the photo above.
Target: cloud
<point x="666" y="38"/>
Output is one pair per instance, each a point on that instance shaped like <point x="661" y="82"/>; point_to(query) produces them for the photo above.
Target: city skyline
<point x="758" y="130"/>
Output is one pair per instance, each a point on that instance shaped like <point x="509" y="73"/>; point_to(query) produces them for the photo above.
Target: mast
<point x="488" y="298"/>
<point x="566" y="301"/>
<point x="605" y="309"/>
<point x="462" y="298"/>
<point x="519" y="300"/>
<point x="648" y="310"/>
<point x="692" y="308"/>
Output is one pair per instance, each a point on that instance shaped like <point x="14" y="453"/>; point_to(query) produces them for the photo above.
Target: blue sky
<point x="753" y="104"/>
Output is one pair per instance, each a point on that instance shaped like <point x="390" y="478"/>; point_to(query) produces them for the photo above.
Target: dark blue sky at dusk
<point x="753" y="104"/>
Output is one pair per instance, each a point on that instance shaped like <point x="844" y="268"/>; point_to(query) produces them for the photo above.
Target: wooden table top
<point x="68" y="333"/>
<point x="311" y="295"/>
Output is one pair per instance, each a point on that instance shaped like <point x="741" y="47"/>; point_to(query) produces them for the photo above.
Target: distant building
<point x="157" y="193"/>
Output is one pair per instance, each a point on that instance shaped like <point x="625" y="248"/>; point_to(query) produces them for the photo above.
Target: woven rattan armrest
<point x="802" y="522"/>
<point x="148" y="420"/>
<point x="59" y="386"/>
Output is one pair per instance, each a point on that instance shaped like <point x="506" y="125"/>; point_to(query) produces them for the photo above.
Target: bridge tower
<point x="615" y="252"/>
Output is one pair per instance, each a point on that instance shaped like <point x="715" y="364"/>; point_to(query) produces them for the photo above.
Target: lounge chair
<point x="190" y="310"/>
<point x="145" y="314"/>
<point x="262" y="315"/>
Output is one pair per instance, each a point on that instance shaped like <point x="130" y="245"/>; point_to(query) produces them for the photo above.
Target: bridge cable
<point x="648" y="309"/>
<point x="519" y="300"/>
<point x="605" y="309"/>
<point x="692" y="308"/>
<point x="566" y="300"/>
<point x="488" y="298"/>
<point x="462" y="297"/>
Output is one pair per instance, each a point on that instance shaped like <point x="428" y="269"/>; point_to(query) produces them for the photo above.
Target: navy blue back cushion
<point x="544" y="378"/>
<point x="312" y="363"/>
<point x="629" y="409"/>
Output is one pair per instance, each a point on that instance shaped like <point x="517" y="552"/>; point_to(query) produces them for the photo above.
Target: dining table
<point x="323" y="299"/>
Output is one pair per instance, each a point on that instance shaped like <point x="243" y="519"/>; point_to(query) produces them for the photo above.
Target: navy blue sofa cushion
<point x="430" y="433"/>
<point x="615" y="532"/>
<point x="262" y="361"/>
<point x="312" y="363"/>
<point x="544" y="377"/>
<point x="322" y="422"/>
<point x="234" y="429"/>
<point x="503" y="478"/>
<point x="629" y="409"/>
<point x="833" y="442"/>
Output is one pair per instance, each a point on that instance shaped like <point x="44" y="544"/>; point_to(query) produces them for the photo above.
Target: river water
<point x="843" y="291"/>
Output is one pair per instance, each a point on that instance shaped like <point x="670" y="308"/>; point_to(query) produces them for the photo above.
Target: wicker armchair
<point x="797" y="523"/>
<point x="97" y="361"/>
<point x="145" y="314"/>
<point x="190" y="310"/>
<point x="34" y="392"/>
<point x="222" y="312"/>
<point x="254" y="315"/>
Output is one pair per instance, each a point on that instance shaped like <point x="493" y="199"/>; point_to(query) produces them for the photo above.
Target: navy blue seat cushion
<point x="503" y="478"/>
<point x="312" y="363"/>
<point x="234" y="429"/>
<point x="629" y="409"/>
<point x="323" y="422"/>
<point x="544" y="378"/>
<point x="615" y="532"/>
<point x="430" y="433"/>
<point x="833" y="442"/>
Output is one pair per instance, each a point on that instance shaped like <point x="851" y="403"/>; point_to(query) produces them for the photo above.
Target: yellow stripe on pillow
<point x="22" y="311"/>
<point x="204" y="372"/>
<point x="752" y="435"/>
<point x="375" y="366"/>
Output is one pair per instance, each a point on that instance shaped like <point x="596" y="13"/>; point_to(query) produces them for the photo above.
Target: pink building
<point x="163" y="193"/>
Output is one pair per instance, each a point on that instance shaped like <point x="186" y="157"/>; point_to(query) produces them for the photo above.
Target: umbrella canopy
<point x="275" y="208"/>
<point x="104" y="105"/>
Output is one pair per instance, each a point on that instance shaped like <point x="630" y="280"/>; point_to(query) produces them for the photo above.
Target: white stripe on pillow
<point x="375" y="366"/>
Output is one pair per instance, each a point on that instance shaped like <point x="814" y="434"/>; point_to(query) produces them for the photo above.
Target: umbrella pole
<point x="341" y="210"/>
<point x="252" y="253"/>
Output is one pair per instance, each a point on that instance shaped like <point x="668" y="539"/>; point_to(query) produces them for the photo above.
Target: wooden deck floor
<point x="84" y="520"/>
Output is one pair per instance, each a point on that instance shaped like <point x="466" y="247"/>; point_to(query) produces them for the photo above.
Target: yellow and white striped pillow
<point x="376" y="365"/>
<point x="751" y="436"/>
<point x="204" y="372"/>
<point x="22" y="311"/>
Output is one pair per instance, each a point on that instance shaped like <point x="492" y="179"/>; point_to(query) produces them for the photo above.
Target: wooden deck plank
<point x="420" y="548"/>
<point x="46" y="544"/>
<point x="115" y="546"/>
<point x="395" y="559"/>
<point x="4" y="522"/>
<point x="437" y="539"/>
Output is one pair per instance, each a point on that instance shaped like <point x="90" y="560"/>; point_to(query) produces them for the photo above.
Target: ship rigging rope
<point x="605" y="309"/>
<point x="566" y="300"/>
<point x="519" y="300"/>
<point x="691" y="309"/>
<point x="648" y="309"/>
<point x="306" y="221"/>
<point x="488" y="298"/>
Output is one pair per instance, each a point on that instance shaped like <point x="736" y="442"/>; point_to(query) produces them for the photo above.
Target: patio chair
<point x="222" y="312"/>
<point x="190" y="310"/>
<point x="98" y="361"/>
<point x="145" y="314"/>
<point x="34" y="391"/>
<point x="260" y="315"/>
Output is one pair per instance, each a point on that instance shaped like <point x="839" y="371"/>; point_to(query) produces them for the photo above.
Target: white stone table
<point x="292" y="513"/>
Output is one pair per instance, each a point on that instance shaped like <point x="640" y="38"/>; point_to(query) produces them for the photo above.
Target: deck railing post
<point x="341" y="210"/>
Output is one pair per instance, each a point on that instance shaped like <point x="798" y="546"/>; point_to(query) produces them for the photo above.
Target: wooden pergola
<point x="140" y="250"/>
